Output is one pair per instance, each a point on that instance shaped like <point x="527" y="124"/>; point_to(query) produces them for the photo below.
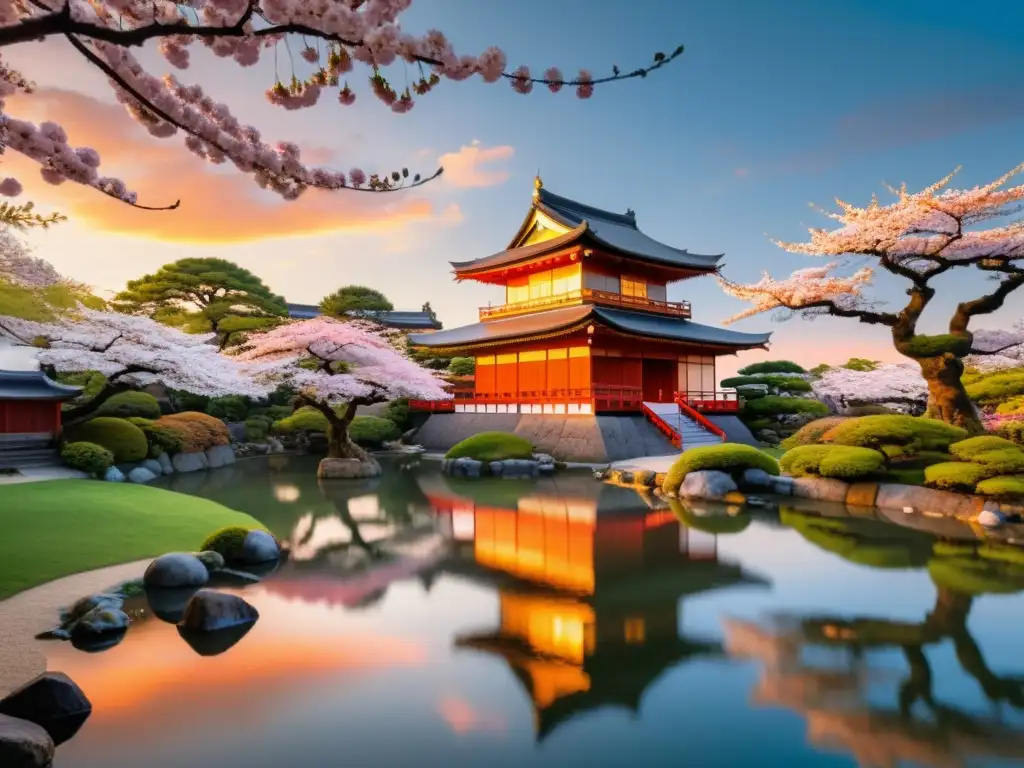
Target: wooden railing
<point x="600" y="397"/>
<point x="664" y="427"/>
<point x="720" y="401"/>
<point x="675" y="308"/>
<point x="681" y="399"/>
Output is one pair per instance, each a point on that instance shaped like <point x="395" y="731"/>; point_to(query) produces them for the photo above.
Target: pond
<point x="565" y="622"/>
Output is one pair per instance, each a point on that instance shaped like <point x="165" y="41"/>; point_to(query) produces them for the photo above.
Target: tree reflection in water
<point x="919" y="727"/>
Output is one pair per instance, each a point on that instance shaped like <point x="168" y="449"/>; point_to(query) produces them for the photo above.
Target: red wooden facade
<point x="29" y="417"/>
<point x="586" y="326"/>
<point x="30" y="406"/>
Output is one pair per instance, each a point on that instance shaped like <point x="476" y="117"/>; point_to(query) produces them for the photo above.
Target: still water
<point x="564" y="622"/>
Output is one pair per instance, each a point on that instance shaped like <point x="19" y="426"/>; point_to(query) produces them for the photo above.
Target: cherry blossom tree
<point x="919" y="237"/>
<point x="899" y="385"/>
<point x="332" y="363"/>
<point x="332" y="36"/>
<point x="131" y="352"/>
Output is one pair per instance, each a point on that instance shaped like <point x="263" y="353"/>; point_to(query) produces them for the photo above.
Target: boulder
<point x="707" y="484"/>
<point x="925" y="500"/>
<point x="176" y="570"/>
<point x="114" y="475"/>
<point x="83" y="606"/>
<point x="141" y="475"/>
<point x="154" y="466"/>
<point x="497" y="468"/>
<point x="165" y="463"/>
<point x="347" y="469"/>
<point x="51" y="701"/>
<point x="274" y="445"/>
<point x="24" y="744"/>
<point x="465" y="467"/>
<point x="820" y="488"/>
<point x="259" y="547"/>
<point x="169" y="604"/>
<point x="514" y="468"/>
<point x="101" y="628"/>
<point x="991" y="518"/>
<point x="220" y="456"/>
<point x="544" y="458"/>
<point x="782" y="486"/>
<point x="209" y="611"/>
<point x="213" y="561"/>
<point x="547" y="469"/>
<point x="757" y="478"/>
<point x="189" y="462"/>
<point x="216" y="642"/>
<point x="768" y="436"/>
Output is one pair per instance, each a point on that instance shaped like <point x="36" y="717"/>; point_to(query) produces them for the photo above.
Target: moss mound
<point x="851" y="463"/>
<point x="1006" y="486"/>
<point x="125" y="404"/>
<point x="912" y="433"/>
<point x="966" y="450"/>
<point x="994" y="389"/>
<point x="87" y="457"/>
<point x="771" y="366"/>
<point x="727" y="457"/>
<point x="227" y="542"/>
<point x="954" y="475"/>
<point x="811" y="433"/>
<point x="492" y="446"/>
<point x="122" y="438"/>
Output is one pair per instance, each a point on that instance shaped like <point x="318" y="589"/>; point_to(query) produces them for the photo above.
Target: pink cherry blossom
<point x="894" y="385"/>
<point x="365" y="31"/>
<point x="10" y="187"/>
<point x="19" y="266"/>
<point x="805" y="286"/>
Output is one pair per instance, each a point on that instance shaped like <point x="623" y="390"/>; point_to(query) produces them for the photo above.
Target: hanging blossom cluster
<point x="806" y="288"/>
<point x="136" y="351"/>
<point x="337" y="35"/>
<point x="334" y="361"/>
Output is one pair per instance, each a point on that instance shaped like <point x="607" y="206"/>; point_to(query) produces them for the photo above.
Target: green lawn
<point x="59" y="527"/>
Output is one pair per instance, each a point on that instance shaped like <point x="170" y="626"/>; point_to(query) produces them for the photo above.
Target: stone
<point x="409" y="435"/>
<point x="497" y="468"/>
<point x="177" y="570"/>
<point x="347" y="469"/>
<point x="820" y="488"/>
<point x="465" y="467"/>
<point x="519" y="468"/>
<point x="862" y="494"/>
<point x="547" y="469"/>
<point x="707" y="484"/>
<point x="141" y="475"/>
<point x="544" y="458"/>
<point x="154" y="466"/>
<point x="768" y="437"/>
<point x="274" y="445"/>
<point x="165" y="463"/>
<point x="991" y="519"/>
<point x="24" y="744"/>
<point x="757" y="478"/>
<point x="259" y="547"/>
<point x="114" y="475"/>
<point x="83" y="606"/>
<point x="909" y="511"/>
<point x="53" y="702"/>
<point x="189" y="462"/>
<point x="209" y="611"/>
<point x="213" y="561"/>
<point x="169" y="604"/>
<point x="101" y="628"/>
<point x="782" y="486"/>
<point x="220" y="456"/>
<point x="216" y="642"/>
<point x="925" y="500"/>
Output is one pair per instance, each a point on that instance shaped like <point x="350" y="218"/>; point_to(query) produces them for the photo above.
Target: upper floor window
<point x="631" y="286"/>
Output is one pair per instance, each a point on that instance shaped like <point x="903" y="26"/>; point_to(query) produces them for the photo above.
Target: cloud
<point x="218" y="204"/>
<point x="472" y="165"/>
<point x="887" y="126"/>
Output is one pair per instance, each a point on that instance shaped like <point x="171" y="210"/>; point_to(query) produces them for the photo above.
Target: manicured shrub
<point x="492" y="446"/>
<point x="966" y="450"/>
<point x="876" y="431"/>
<point x="372" y="431"/>
<point x="733" y="458"/>
<point x="850" y="462"/>
<point x="228" y="408"/>
<point x="1012" y="431"/>
<point x="750" y="393"/>
<point x="462" y="366"/>
<point x="126" y="404"/>
<point x="161" y="439"/>
<point x="771" y="366"/>
<point x="1010" y="486"/>
<point x="398" y="412"/>
<point x="870" y="410"/>
<point x="228" y="542"/>
<point x="87" y="457"/>
<point x="954" y="475"/>
<point x="804" y="459"/>
<point x="306" y="419"/>
<point x="776" y="405"/>
<point x="256" y="429"/>
<point x="777" y="381"/>
<point x="199" y="431"/>
<point x="812" y="432"/>
<point x="122" y="438"/>
<point x="1002" y="461"/>
<point x="997" y="388"/>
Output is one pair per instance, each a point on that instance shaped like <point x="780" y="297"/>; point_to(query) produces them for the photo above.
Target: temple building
<point x="30" y="418"/>
<point x="423" y="321"/>
<point x="586" y="326"/>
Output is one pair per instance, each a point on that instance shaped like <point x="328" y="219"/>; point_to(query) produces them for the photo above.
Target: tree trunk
<point x="338" y="444"/>
<point x="947" y="398"/>
<point x="79" y="414"/>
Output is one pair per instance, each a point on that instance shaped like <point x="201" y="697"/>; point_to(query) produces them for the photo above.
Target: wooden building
<point x="586" y="326"/>
<point x="423" y="321"/>
<point x="30" y="408"/>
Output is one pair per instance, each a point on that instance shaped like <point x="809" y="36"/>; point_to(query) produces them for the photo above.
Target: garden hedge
<point x="1012" y="431"/>
<point x="228" y="407"/>
<point x="492" y="446"/>
<point x="122" y="438"/>
<point x="87" y="457"/>
<point x="733" y="458"/>
<point x="126" y="404"/>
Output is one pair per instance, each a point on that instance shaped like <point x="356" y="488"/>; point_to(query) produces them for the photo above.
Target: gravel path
<point x="27" y="614"/>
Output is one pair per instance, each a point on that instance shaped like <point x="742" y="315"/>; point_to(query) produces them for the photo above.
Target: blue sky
<point x="774" y="105"/>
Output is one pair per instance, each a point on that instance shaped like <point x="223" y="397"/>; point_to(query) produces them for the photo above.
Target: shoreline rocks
<point x="53" y="702"/>
<point x="23" y="744"/>
<point x="176" y="570"/>
<point x="510" y="469"/>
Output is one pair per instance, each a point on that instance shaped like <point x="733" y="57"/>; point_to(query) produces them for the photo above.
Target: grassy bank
<point x="56" y="528"/>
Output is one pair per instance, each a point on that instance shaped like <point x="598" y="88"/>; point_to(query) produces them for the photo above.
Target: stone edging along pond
<point x="908" y="498"/>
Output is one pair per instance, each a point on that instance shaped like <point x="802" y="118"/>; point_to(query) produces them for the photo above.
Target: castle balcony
<point x="679" y="309"/>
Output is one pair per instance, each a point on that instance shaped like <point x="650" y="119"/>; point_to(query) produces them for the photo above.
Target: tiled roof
<point x="393" y="319"/>
<point x="34" y="385"/>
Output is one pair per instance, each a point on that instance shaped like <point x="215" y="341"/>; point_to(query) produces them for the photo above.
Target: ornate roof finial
<point x="538" y="185"/>
<point x="631" y="213"/>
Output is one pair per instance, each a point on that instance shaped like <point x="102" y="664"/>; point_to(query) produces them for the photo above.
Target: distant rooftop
<point x="423" y="320"/>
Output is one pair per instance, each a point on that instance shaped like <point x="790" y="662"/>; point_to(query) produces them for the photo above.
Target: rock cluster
<point x="511" y="469"/>
<point x="147" y="470"/>
<point x="46" y="711"/>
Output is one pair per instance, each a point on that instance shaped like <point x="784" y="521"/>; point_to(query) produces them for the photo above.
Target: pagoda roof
<point x="34" y="385"/>
<point x="568" y="318"/>
<point x="402" y="319"/>
<point x="617" y="232"/>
